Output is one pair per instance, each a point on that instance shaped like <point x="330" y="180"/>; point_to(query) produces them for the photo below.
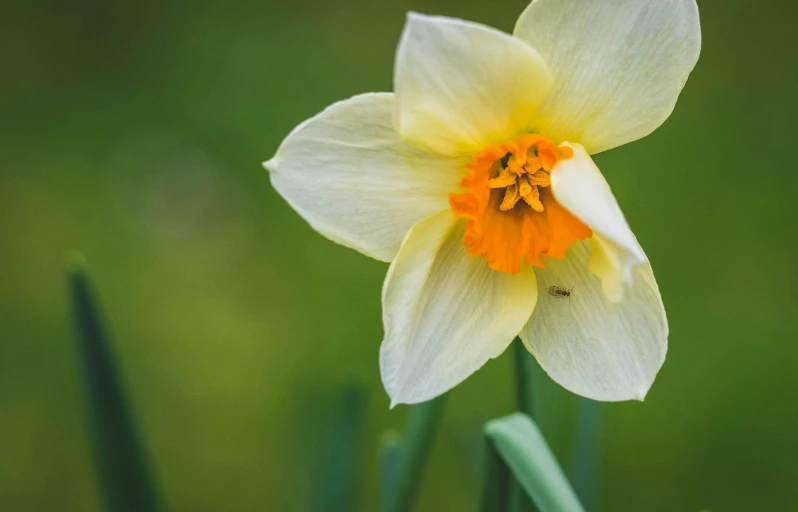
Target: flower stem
<point x="495" y="493"/>
<point x="390" y="458"/>
<point x="526" y="369"/>
<point x="416" y="444"/>
<point x="584" y="466"/>
<point x="337" y="480"/>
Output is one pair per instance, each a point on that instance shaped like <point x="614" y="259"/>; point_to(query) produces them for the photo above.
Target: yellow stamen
<point x="511" y="197"/>
<point x="505" y="179"/>
<point x="533" y="199"/>
<point x="516" y="166"/>
<point x="533" y="162"/>
<point x="521" y="177"/>
<point x="524" y="188"/>
<point x="540" y="179"/>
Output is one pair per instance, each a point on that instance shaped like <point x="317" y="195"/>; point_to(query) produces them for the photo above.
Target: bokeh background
<point x="134" y="132"/>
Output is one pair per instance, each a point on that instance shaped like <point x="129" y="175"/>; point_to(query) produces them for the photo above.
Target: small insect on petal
<point x="559" y="292"/>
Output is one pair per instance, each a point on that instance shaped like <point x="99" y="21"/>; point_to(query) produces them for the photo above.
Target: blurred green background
<point x="134" y="132"/>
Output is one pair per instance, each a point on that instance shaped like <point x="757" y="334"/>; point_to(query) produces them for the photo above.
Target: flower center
<point x="511" y="214"/>
<point x="520" y="179"/>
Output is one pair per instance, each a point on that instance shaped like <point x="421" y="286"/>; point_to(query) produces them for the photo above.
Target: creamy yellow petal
<point x="445" y="313"/>
<point x="347" y="172"/>
<point x="462" y="86"/>
<point x="591" y="346"/>
<point x="579" y="186"/>
<point x="618" y="65"/>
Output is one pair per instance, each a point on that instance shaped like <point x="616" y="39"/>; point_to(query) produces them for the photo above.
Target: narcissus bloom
<point x="474" y="179"/>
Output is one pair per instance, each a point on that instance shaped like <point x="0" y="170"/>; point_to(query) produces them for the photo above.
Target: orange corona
<point x="512" y="216"/>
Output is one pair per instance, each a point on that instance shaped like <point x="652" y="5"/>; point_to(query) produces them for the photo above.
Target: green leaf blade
<point x="125" y="479"/>
<point x="522" y="447"/>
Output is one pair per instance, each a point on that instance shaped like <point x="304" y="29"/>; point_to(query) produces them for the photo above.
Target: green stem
<point x="526" y="369"/>
<point x="390" y="458"/>
<point x="584" y="467"/>
<point x="337" y="479"/>
<point x="517" y="500"/>
<point x="417" y="439"/>
<point x="497" y="479"/>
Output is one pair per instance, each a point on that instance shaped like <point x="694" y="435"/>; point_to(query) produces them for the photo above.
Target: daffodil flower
<point x="474" y="180"/>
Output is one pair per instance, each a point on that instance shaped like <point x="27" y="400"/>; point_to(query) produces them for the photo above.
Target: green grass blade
<point x="123" y="474"/>
<point x="336" y="484"/>
<point x="522" y="447"/>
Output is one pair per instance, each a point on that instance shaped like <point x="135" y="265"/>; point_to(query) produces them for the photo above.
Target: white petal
<point x="618" y="65"/>
<point x="445" y="313"/>
<point x="580" y="187"/>
<point x="589" y="345"/>
<point x="347" y="172"/>
<point x="462" y="86"/>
